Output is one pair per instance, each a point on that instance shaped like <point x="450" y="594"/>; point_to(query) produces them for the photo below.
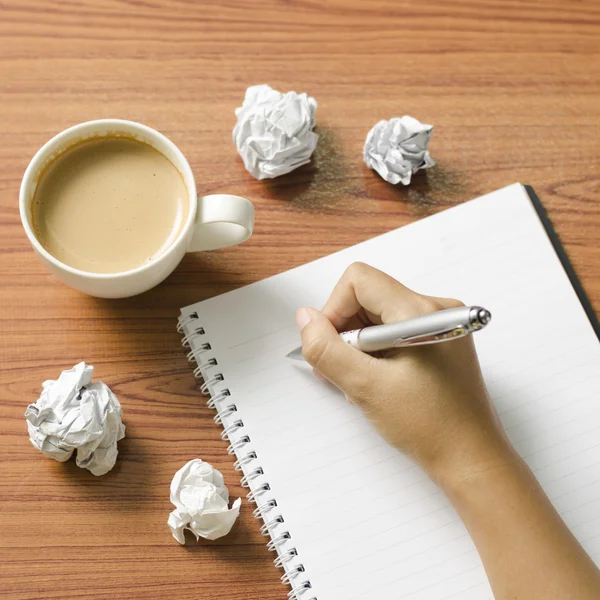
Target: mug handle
<point x="222" y="220"/>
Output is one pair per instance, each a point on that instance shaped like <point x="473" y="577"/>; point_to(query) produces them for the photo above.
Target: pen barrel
<point x="384" y="337"/>
<point x="351" y="338"/>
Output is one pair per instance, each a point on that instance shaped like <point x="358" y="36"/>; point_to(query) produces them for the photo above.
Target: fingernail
<point x="303" y="318"/>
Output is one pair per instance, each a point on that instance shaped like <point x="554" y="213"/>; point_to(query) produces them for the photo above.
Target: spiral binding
<point x="219" y="400"/>
<point x="199" y="371"/>
<point x="208" y="383"/>
<point x="278" y="540"/>
<point x="191" y="355"/>
<point x="268" y="525"/>
<point x="183" y="321"/>
<point x="227" y="431"/>
<point x="185" y="341"/>
<point x="261" y="509"/>
<point x="246" y="479"/>
<point x="235" y="446"/>
<point x="285" y="556"/>
<point x="293" y="572"/>
<point x="259" y="490"/>
<point x="240" y="462"/>
<point x="300" y="589"/>
<point x="218" y="418"/>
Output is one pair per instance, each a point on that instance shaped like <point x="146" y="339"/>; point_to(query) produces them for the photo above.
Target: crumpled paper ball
<point x="273" y="134"/>
<point x="398" y="148"/>
<point x="73" y="414"/>
<point x="202" y="502"/>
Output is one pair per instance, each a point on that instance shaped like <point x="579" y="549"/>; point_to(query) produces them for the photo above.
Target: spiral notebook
<point x="348" y="516"/>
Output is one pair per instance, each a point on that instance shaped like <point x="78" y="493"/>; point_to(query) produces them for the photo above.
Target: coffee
<point x="109" y="205"/>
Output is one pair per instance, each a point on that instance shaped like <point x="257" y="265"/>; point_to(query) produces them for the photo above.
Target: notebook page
<point x="366" y="522"/>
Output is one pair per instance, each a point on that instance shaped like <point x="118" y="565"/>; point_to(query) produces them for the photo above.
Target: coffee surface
<point x="109" y="205"/>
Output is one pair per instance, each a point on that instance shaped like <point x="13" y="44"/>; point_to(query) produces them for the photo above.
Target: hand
<point x="431" y="403"/>
<point x="428" y="401"/>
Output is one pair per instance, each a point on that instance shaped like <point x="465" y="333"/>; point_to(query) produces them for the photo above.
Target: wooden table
<point x="513" y="89"/>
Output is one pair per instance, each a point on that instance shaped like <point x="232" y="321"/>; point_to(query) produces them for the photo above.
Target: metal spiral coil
<point x="187" y="338"/>
<point x="199" y="370"/>
<point x="185" y="320"/>
<point x="227" y="431"/>
<point x="218" y="418"/>
<point x="284" y="557"/>
<point x="293" y="572"/>
<point x="278" y="540"/>
<point x="240" y="462"/>
<point x="192" y="355"/>
<point x="266" y="527"/>
<point x="263" y="508"/>
<point x="299" y="589"/>
<point x="257" y="491"/>
<point x="212" y="401"/>
<point x="234" y="446"/>
<point x="190" y="340"/>
<point x="210" y="382"/>
<point x="246" y="479"/>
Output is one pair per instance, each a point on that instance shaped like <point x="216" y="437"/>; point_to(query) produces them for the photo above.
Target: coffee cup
<point x="212" y="222"/>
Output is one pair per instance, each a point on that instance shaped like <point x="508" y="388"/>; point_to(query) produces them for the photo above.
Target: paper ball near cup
<point x="274" y="131"/>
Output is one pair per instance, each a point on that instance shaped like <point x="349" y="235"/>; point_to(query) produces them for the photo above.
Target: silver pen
<point x="441" y="326"/>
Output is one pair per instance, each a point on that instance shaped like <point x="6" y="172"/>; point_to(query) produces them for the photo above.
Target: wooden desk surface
<point x="513" y="89"/>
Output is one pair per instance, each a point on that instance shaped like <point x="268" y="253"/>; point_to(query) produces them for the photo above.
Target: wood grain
<point x="513" y="88"/>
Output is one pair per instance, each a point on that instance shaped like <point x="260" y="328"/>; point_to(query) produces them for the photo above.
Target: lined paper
<point x="365" y="521"/>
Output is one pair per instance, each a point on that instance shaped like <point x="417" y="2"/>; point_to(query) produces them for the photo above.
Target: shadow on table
<point x="329" y="182"/>
<point x="429" y="191"/>
<point x="122" y="488"/>
<point x="323" y="183"/>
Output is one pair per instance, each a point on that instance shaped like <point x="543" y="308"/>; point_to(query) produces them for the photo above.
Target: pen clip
<point x="422" y="340"/>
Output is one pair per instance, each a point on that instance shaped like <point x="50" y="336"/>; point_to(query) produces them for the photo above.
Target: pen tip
<point x="295" y="354"/>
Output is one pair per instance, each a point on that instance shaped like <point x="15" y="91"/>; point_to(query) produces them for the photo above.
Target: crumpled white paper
<point x="202" y="500"/>
<point x="398" y="148"/>
<point x="74" y="414"/>
<point x="274" y="132"/>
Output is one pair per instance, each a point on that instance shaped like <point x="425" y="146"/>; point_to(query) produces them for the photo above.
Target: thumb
<point x="324" y="350"/>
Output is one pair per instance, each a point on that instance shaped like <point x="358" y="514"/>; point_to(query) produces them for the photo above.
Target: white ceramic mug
<point x="215" y="221"/>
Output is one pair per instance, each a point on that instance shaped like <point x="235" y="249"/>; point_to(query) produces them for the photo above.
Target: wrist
<point x="473" y="461"/>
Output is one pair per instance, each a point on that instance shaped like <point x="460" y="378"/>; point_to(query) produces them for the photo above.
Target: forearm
<point x="527" y="550"/>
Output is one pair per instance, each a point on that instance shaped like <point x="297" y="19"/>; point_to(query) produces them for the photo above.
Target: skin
<point x="432" y="404"/>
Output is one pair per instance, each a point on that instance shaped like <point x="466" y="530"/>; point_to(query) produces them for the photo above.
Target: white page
<point x="366" y="522"/>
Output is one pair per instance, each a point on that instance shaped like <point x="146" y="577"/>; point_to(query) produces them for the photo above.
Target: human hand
<point x="429" y="401"/>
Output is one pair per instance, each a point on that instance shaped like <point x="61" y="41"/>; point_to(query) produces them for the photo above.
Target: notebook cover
<point x="564" y="259"/>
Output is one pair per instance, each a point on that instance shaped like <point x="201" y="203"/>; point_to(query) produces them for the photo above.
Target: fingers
<point x="325" y="351"/>
<point x="449" y="302"/>
<point x="362" y="296"/>
<point x="381" y="297"/>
